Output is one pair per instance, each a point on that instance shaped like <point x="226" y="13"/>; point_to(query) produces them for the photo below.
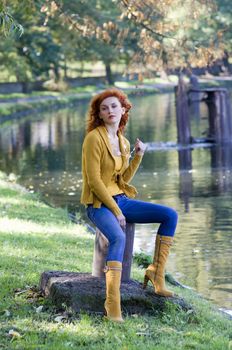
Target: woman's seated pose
<point x="109" y="198"/>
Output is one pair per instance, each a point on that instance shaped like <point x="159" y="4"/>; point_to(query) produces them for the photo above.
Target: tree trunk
<point x="83" y="292"/>
<point x="101" y="250"/>
<point x="109" y="75"/>
<point x="56" y="73"/>
<point x="65" y="70"/>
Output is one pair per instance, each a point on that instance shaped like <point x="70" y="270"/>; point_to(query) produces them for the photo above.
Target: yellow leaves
<point x="105" y="36"/>
<point x="203" y="56"/>
<point x="50" y="8"/>
<point x="14" y="334"/>
<point x="143" y="33"/>
<point x="134" y="13"/>
<point x="156" y="45"/>
<point x="104" y="32"/>
<point x="54" y="7"/>
<point x="109" y="26"/>
<point x="44" y="8"/>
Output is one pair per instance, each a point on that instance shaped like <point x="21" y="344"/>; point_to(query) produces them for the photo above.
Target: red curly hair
<point x="94" y="121"/>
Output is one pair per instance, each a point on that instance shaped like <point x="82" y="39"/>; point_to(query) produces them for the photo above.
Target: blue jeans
<point x="135" y="211"/>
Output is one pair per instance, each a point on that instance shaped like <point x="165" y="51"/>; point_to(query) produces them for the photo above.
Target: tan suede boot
<point x="112" y="305"/>
<point x="156" y="271"/>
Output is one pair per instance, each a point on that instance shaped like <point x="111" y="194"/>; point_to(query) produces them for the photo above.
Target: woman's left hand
<point x="140" y="147"/>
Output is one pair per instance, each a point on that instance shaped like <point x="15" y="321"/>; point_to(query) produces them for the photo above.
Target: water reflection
<point x="45" y="152"/>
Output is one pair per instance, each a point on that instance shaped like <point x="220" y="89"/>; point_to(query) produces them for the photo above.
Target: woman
<point x="109" y="197"/>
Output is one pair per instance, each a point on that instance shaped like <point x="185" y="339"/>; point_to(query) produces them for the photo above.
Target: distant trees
<point x="147" y="35"/>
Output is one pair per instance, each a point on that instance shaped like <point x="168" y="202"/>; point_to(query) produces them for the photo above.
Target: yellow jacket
<point x="98" y="168"/>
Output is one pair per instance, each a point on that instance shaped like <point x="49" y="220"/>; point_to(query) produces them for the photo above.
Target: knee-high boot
<point x="156" y="271"/>
<point x="112" y="305"/>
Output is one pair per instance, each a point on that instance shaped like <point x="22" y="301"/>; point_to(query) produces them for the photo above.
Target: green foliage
<point x="147" y="36"/>
<point x="8" y="25"/>
<point x="142" y="259"/>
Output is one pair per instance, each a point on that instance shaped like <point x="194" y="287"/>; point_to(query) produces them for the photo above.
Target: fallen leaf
<point x="14" y="334"/>
<point x="39" y="309"/>
<point x="60" y="318"/>
<point x="7" y="313"/>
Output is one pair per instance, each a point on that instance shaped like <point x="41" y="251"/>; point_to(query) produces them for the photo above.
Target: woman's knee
<point x="119" y="239"/>
<point x="168" y="225"/>
<point x="173" y="215"/>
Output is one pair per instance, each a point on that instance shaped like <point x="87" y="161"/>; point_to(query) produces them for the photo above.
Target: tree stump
<point x="83" y="292"/>
<point x="101" y="250"/>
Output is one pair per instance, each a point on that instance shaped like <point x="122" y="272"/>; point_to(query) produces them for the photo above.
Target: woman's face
<point x="111" y="110"/>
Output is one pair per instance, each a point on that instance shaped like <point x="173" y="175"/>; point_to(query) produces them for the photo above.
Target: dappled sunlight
<point x="22" y="201"/>
<point x="32" y="249"/>
<point x="12" y="226"/>
<point x="80" y="331"/>
<point x="6" y="201"/>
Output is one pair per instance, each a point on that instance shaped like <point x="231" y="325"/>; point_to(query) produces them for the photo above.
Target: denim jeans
<point x="135" y="211"/>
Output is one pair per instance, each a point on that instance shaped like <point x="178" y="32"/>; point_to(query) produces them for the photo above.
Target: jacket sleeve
<point x="92" y="157"/>
<point x="133" y="166"/>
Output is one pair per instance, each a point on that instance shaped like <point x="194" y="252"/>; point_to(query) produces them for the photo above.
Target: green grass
<point x="25" y="95"/>
<point x="35" y="238"/>
<point x="9" y="109"/>
<point x="87" y="88"/>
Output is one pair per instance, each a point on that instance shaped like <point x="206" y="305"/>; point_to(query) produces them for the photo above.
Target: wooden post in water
<point x="220" y="116"/>
<point x="182" y="113"/>
<point x="194" y="98"/>
<point x="101" y="249"/>
<point x="222" y="161"/>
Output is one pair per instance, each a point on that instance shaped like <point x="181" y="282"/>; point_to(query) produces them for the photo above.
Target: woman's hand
<point x="122" y="221"/>
<point x="140" y="147"/>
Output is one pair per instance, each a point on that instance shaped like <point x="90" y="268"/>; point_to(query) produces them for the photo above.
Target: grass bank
<point x="16" y="105"/>
<point x="28" y="104"/>
<point x="35" y="238"/>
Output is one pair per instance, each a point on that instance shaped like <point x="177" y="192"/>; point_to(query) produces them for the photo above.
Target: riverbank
<point x="18" y="105"/>
<point x="35" y="238"/>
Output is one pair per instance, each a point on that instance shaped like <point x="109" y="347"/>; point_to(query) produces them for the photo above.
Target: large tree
<point x="176" y="33"/>
<point x="151" y="35"/>
<point x="60" y="32"/>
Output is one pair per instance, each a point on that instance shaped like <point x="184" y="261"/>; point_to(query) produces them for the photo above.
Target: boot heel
<point x="145" y="282"/>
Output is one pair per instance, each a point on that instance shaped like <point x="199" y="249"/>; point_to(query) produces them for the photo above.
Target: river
<point x="44" y="152"/>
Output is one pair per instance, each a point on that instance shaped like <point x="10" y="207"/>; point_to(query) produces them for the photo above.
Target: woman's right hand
<point x="122" y="221"/>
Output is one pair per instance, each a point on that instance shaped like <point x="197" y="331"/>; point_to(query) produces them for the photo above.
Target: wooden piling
<point x="220" y="116"/>
<point x="194" y="97"/>
<point x="220" y="125"/>
<point x="221" y="161"/>
<point x="182" y="113"/>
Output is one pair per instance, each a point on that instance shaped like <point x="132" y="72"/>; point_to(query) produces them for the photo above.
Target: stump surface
<point x="83" y="292"/>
